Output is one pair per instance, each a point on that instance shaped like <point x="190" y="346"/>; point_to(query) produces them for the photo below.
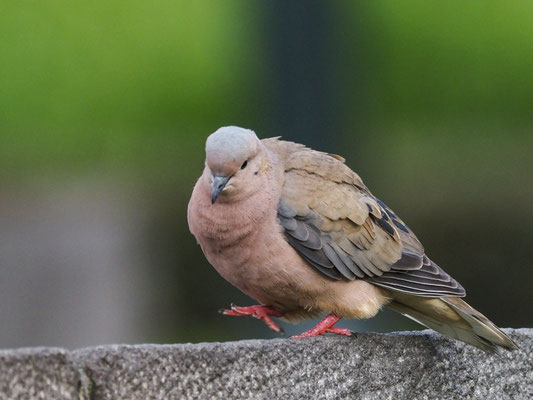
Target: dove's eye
<point x="244" y="164"/>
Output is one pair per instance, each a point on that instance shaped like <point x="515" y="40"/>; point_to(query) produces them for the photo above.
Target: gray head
<point x="233" y="157"/>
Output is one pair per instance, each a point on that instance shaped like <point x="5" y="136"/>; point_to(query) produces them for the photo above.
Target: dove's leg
<point x="260" y="312"/>
<point x="324" y="326"/>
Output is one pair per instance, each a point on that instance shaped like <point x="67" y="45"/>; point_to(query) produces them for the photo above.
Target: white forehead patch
<point x="232" y="138"/>
<point x="230" y="144"/>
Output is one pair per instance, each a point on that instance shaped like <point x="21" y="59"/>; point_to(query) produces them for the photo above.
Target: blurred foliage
<point x="429" y="101"/>
<point x="452" y="59"/>
<point x="117" y="82"/>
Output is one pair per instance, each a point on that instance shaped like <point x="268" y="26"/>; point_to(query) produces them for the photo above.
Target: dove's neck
<point x="221" y="226"/>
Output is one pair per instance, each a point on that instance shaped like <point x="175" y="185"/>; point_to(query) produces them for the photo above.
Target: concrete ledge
<point x="407" y="365"/>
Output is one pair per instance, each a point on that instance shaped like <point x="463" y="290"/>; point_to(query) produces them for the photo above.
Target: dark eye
<point x="244" y="164"/>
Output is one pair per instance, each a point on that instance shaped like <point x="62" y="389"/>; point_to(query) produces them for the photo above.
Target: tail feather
<point x="453" y="317"/>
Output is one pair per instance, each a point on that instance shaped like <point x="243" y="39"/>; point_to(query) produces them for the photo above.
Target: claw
<point x="259" y="312"/>
<point x="324" y="326"/>
<point x="340" y="331"/>
<point x="232" y="313"/>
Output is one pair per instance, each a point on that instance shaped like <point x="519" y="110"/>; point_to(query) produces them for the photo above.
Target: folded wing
<point x="333" y="221"/>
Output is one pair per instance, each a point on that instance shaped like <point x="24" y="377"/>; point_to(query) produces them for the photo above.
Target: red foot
<point x="260" y="312"/>
<point x="324" y="326"/>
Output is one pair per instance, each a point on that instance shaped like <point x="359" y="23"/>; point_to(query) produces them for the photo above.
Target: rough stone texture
<point x="38" y="373"/>
<point x="409" y="365"/>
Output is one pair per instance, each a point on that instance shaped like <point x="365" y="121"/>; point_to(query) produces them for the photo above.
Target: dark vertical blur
<point x="303" y="78"/>
<point x="105" y="107"/>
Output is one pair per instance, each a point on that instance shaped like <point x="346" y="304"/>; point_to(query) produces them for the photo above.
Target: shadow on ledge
<point x="406" y="365"/>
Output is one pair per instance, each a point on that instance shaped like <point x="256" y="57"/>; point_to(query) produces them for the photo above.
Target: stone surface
<point x="408" y="365"/>
<point x="38" y="373"/>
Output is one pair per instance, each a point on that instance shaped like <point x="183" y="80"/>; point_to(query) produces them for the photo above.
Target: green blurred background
<point x="105" y="107"/>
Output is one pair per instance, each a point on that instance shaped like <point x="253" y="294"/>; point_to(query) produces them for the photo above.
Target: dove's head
<point x="235" y="162"/>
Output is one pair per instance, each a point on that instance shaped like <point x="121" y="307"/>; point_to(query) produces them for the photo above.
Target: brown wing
<point x="333" y="221"/>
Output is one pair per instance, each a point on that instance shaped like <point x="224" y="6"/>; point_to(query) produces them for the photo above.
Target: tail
<point x="453" y="317"/>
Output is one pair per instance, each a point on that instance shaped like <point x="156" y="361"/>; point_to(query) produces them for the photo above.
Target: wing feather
<point x="333" y="221"/>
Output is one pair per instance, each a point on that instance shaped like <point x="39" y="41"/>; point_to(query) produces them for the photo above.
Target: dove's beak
<point x="219" y="183"/>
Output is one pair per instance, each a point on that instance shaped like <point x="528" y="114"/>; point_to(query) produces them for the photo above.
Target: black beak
<point x="219" y="183"/>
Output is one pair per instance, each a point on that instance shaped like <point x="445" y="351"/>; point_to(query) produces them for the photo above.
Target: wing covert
<point x="344" y="232"/>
